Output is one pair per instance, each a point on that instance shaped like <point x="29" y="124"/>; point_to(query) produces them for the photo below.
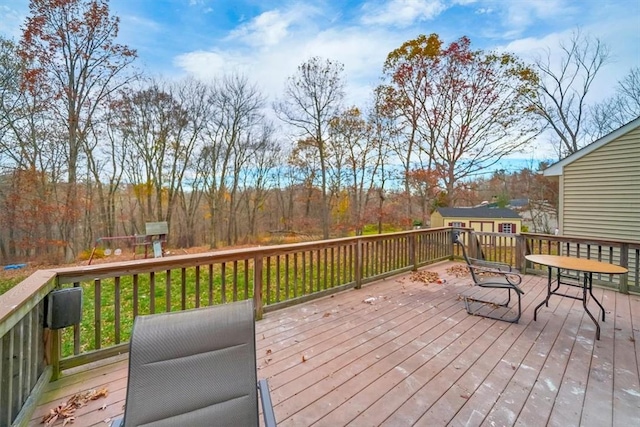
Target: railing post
<point x="473" y="245"/>
<point x="55" y="351"/>
<point x="520" y="260"/>
<point x="624" y="262"/>
<point x="358" y="263"/>
<point x="412" y="252"/>
<point x="257" y="286"/>
<point x="54" y="345"/>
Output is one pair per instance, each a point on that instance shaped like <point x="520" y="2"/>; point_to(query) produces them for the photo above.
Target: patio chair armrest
<point x="512" y="277"/>
<point x="501" y="266"/>
<point x="267" y="405"/>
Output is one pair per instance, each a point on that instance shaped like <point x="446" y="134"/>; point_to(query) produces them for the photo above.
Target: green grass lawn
<point x="163" y="292"/>
<point x="110" y="305"/>
<point x="7" y="283"/>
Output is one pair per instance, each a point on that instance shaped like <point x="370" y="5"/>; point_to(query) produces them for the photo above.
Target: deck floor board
<point x="402" y="352"/>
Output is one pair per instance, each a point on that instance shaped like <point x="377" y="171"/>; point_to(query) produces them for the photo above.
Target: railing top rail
<point x="88" y="272"/>
<point x="33" y="289"/>
<point x="490" y="233"/>
<point x="633" y="244"/>
<point x="79" y="273"/>
<point x="23" y="297"/>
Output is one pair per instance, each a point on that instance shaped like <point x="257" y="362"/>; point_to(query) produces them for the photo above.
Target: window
<point x="458" y="224"/>
<point x="507" y="228"/>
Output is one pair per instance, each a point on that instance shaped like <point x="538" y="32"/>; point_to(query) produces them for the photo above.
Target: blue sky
<point x="267" y="39"/>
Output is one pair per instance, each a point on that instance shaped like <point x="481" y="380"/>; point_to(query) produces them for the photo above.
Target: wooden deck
<point x="411" y="355"/>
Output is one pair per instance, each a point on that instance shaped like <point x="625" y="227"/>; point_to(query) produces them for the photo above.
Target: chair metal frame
<point x="495" y="275"/>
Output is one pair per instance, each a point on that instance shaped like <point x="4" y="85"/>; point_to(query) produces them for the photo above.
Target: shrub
<point x="86" y="254"/>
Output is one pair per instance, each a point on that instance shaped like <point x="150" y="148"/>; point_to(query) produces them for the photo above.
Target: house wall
<point x="601" y="191"/>
<point x="477" y="224"/>
<point x="437" y="220"/>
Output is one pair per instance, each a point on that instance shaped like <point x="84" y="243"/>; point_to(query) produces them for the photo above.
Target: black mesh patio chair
<point x="195" y="368"/>
<point x="491" y="275"/>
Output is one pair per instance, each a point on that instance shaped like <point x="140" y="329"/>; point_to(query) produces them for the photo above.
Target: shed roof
<point x="557" y="168"/>
<point x="482" y="212"/>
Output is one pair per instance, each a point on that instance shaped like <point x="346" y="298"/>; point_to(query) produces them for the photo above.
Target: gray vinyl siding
<point x="602" y="191"/>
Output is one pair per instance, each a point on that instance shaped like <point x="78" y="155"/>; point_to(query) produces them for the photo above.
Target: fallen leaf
<point x="458" y="271"/>
<point x="425" y="276"/>
<point x="304" y="358"/>
<point x="66" y="410"/>
<point x="326" y="315"/>
<point x="268" y="351"/>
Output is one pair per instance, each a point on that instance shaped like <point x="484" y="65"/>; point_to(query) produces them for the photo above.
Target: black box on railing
<point x="63" y="308"/>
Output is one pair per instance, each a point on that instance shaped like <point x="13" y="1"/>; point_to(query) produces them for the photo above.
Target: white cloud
<point x="268" y="48"/>
<point x="401" y="12"/>
<point x="140" y="24"/>
<point x="267" y="29"/>
<point x="361" y="50"/>
<point x="622" y="39"/>
<point x="271" y="66"/>
<point x="11" y="19"/>
<point x="273" y="26"/>
<point x="518" y="16"/>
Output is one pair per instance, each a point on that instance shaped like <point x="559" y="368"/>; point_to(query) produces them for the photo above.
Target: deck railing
<point x="512" y="249"/>
<point x="273" y="276"/>
<point x="624" y="253"/>
<point x="114" y="294"/>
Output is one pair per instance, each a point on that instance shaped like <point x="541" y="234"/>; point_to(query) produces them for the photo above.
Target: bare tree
<point x="363" y="151"/>
<point x="312" y="97"/>
<point x="70" y="53"/>
<point x="194" y="108"/>
<point x="618" y="110"/>
<point x="477" y="112"/>
<point x="383" y="135"/>
<point x="151" y="120"/>
<point x="408" y="70"/>
<point x="107" y="152"/>
<point x="563" y="88"/>
<point x="236" y="117"/>
<point x="305" y="169"/>
<point x="473" y="106"/>
<point x="163" y="124"/>
<point x="285" y="182"/>
<point x="255" y="179"/>
<point x="29" y="153"/>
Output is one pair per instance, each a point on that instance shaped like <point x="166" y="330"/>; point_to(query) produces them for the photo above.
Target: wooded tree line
<point x="91" y="147"/>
